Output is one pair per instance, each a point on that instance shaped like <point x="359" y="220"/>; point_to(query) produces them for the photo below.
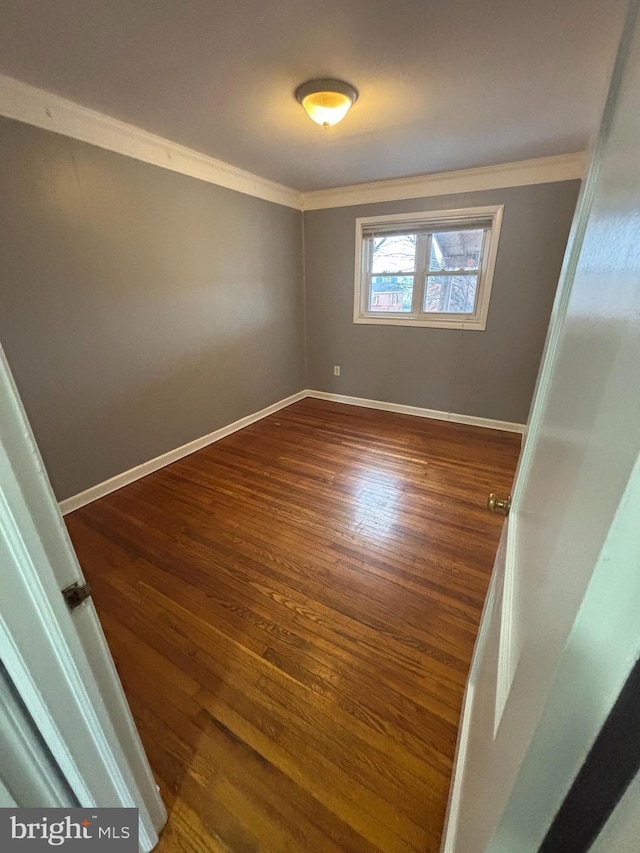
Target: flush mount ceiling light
<point x="326" y="101"/>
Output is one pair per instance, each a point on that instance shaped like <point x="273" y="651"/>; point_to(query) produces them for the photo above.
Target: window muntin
<point x="431" y="269"/>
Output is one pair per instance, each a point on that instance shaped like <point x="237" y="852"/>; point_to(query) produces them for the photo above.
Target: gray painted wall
<point x="488" y="374"/>
<point x="139" y="308"/>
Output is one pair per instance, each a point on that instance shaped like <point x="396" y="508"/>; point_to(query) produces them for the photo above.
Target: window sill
<point x="474" y="324"/>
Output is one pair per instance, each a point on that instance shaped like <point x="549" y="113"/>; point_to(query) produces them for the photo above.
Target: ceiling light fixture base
<point x="326" y="101"/>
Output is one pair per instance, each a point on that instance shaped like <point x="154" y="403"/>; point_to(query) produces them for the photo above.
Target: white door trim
<point x="27" y="770"/>
<point x="42" y="643"/>
<point x="490" y="610"/>
<point x="6" y="800"/>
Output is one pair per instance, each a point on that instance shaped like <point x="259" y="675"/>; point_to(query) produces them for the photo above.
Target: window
<point x="426" y="269"/>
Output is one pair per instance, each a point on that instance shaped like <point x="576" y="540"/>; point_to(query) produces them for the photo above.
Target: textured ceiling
<point x="444" y="84"/>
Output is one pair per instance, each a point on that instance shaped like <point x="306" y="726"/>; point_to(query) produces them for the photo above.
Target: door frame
<point x="500" y="593"/>
<point x="59" y="661"/>
<point x="622" y="629"/>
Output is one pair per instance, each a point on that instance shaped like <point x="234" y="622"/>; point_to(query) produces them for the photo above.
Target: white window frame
<point x="431" y="219"/>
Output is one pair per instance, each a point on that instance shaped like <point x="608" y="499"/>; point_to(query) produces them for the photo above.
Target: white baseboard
<point x="487" y="423"/>
<point x="120" y="480"/>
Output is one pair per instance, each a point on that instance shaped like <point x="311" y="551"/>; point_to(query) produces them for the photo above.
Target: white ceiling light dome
<point x="326" y="101"/>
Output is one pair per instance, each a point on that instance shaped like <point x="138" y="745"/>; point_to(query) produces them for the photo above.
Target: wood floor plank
<point x="292" y="611"/>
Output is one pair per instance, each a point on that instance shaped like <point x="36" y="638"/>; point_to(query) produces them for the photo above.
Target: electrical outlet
<point x="336" y="370"/>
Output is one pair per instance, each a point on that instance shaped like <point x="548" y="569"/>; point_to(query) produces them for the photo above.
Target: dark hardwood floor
<point x="292" y="611"/>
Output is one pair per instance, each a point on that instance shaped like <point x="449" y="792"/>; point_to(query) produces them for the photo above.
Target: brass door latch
<point x="494" y="504"/>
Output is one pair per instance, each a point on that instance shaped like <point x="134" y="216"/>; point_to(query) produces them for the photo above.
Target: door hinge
<point x="76" y="594"/>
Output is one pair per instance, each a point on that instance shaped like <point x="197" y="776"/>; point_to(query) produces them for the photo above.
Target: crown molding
<point x="543" y="170"/>
<point x="37" y="107"/>
<point x="34" y="106"/>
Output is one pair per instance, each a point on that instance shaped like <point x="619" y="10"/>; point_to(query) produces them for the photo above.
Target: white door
<point x="560" y="631"/>
<point x="57" y="658"/>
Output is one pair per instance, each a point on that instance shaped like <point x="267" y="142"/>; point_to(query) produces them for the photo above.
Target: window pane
<point x="393" y="253"/>
<point x="450" y="294"/>
<point x="456" y="250"/>
<point x="391" y="293"/>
